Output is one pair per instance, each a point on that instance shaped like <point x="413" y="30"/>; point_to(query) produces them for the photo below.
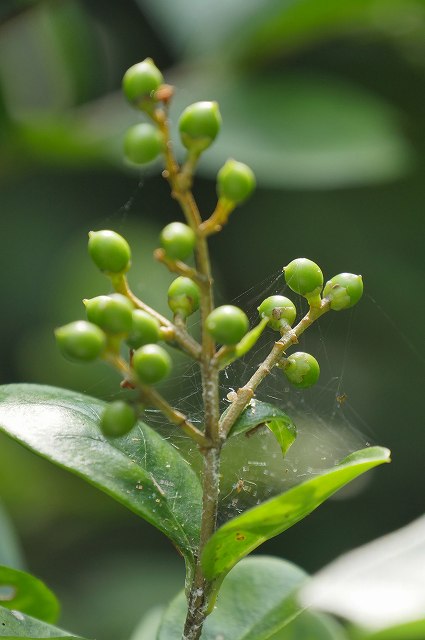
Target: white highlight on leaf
<point x="378" y="585"/>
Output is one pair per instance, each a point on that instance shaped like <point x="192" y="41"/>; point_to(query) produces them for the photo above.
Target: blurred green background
<point x="325" y="100"/>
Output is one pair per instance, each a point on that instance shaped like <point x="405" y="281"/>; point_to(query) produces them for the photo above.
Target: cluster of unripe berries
<point x="199" y="125"/>
<point x="114" y="320"/>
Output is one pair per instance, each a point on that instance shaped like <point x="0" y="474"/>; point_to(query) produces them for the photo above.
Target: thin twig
<point x="245" y="394"/>
<point x="177" y="266"/>
<point x="177" y="334"/>
<point x="155" y="399"/>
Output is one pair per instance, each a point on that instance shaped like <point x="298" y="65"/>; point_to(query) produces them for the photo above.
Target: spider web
<point x="328" y="426"/>
<point x="253" y="468"/>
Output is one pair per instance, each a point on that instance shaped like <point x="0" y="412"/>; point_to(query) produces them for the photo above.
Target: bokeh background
<point x="325" y="100"/>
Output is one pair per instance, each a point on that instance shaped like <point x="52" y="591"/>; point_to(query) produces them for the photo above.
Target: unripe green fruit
<point x="117" y="419"/>
<point x="111" y="313"/>
<point x="80" y="341"/>
<point x="183" y="296"/>
<point x="280" y="310"/>
<point x="151" y="363"/>
<point x="141" y="80"/>
<point x="143" y="143"/>
<point x="304" y="277"/>
<point x="199" y="125"/>
<point x="343" y="291"/>
<point x="301" y="369"/>
<point x="235" y="181"/>
<point x="145" y="329"/>
<point x="227" y="324"/>
<point x="178" y="240"/>
<point x="109" y="251"/>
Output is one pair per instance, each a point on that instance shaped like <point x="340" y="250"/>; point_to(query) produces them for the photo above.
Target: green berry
<point x="178" y="240"/>
<point x="117" y="419"/>
<point x="151" y="363"/>
<point x="304" y="277"/>
<point x="343" y="291"/>
<point x="301" y="369"/>
<point x="111" y="313"/>
<point x="80" y="341"/>
<point x="143" y="143"/>
<point x="145" y="329"/>
<point x="109" y="251"/>
<point x="227" y="324"/>
<point x="141" y="80"/>
<point x="235" y="181"/>
<point x="183" y="296"/>
<point x="199" y="125"/>
<point x="280" y="310"/>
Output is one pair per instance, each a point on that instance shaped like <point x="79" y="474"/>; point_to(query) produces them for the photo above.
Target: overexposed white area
<point x="378" y="585"/>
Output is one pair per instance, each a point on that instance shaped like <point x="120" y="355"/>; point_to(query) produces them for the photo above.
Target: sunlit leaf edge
<point x="218" y="557"/>
<point x="32" y="596"/>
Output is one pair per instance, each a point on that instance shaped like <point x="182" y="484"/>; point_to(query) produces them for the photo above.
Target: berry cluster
<point x="121" y="321"/>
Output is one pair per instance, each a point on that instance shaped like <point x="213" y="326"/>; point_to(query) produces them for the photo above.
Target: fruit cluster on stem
<point x="120" y="321"/>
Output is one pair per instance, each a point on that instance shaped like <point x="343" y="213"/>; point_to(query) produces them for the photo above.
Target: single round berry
<point x="235" y="181"/>
<point x="141" y="80"/>
<point x="183" y="296"/>
<point x="109" y="251"/>
<point x="80" y="341"/>
<point x="227" y="324"/>
<point x="199" y="125"/>
<point x="118" y="418"/>
<point x="301" y="369"/>
<point x="151" y="363"/>
<point x="343" y="291"/>
<point x="280" y="310"/>
<point x="111" y="313"/>
<point x="145" y="329"/>
<point x="143" y="143"/>
<point x="304" y="277"/>
<point x="178" y="240"/>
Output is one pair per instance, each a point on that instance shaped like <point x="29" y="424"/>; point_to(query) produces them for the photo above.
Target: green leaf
<point x="408" y="631"/>
<point x="142" y="470"/>
<point x="316" y="131"/>
<point x="10" y="552"/>
<point x="149" y="625"/>
<point x="240" y="536"/>
<point x="260" y="413"/>
<point x="14" y="624"/>
<point x="256" y="600"/>
<point x="25" y="593"/>
<point x="260" y="28"/>
<point x="312" y="626"/>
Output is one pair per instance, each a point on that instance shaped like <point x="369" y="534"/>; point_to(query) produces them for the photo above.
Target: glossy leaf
<point x="262" y="413"/>
<point x="23" y="592"/>
<point x="256" y="600"/>
<point x="14" y="624"/>
<point x="246" y="532"/>
<point x="142" y="470"/>
<point x="10" y="552"/>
